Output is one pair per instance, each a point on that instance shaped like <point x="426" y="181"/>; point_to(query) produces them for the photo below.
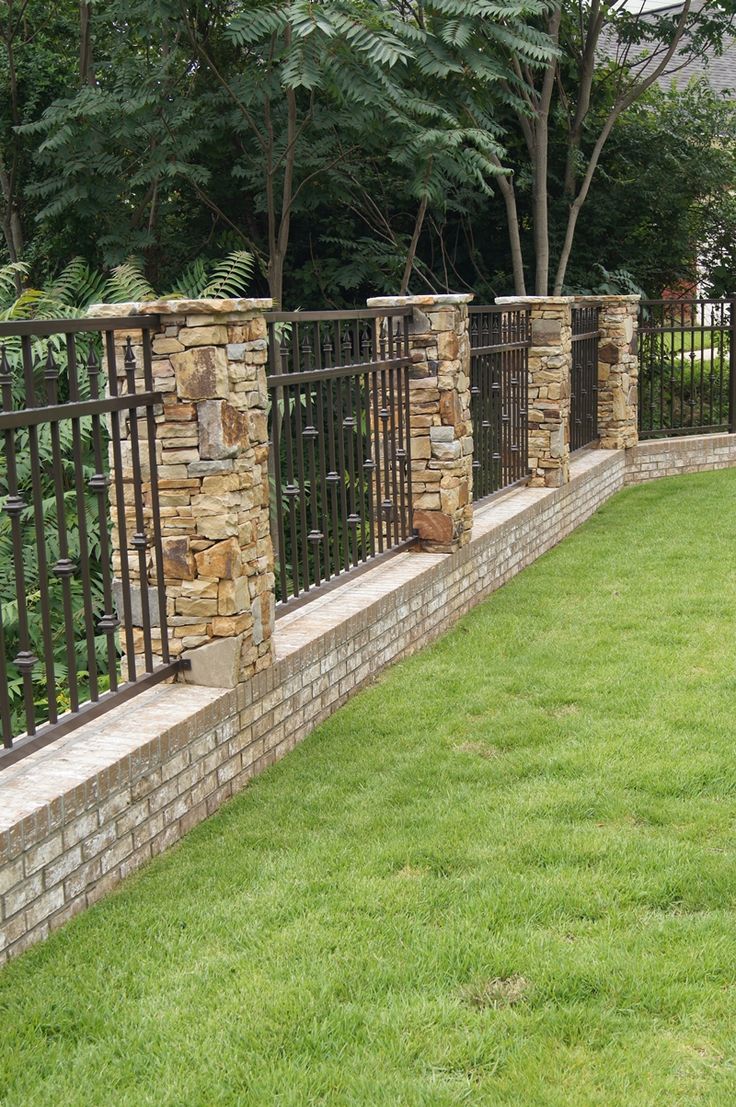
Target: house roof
<point x="719" y="69"/>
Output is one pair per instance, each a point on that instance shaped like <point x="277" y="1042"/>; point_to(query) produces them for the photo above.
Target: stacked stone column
<point x="441" y="433"/>
<point x="549" y="387"/>
<point x="618" y="371"/>
<point x="209" y="362"/>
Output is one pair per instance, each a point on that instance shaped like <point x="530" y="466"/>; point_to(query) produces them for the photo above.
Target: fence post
<point x="550" y="356"/>
<point x="618" y="370"/>
<point x="441" y="432"/>
<point x="209" y="362"/>
<point x="732" y="367"/>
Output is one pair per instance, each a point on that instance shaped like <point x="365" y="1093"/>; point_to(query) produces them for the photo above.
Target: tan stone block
<point x="229" y="626"/>
<point x="199" y="588"/>
<point x="221" y="561"/>
<point x="202" y="607"/>
<point x="217" y="527"/>
<point x="163" y="345"/>
<point x="225" y="482"/>
<point x="175" y="412"/>
<point x="450" y="407"/>
<point x="433" y="526"/>
<point x="421" y="448"/>
<point x="223" y="430"/>
<point x="201" y="373"/>
<point x="178" y="562"/>
<point x="428" y="501"/>
<point x="203" y="336"/>
<point x="448" y="345"/>
<point x="233" y="596"/>
<point x="257" y="426"/>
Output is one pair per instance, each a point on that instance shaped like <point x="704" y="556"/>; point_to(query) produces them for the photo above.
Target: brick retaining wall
<point x="667" y="457"/>
<point x="79" y="815"/>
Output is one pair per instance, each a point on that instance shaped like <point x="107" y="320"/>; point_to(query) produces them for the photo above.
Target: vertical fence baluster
<point x="158" y="555"/>
<point x="14" y="506"/>
<point x="64" y="568"/>
<point x="119" y="481"/>
<point x="40" y="531"/>
<point x="84" y="565"/>
<point x="98" y="484"/>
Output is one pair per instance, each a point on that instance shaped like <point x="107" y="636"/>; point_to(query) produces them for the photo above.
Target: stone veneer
<point x="549" y="387"/>
<point x="77" y="816"/>
<point x="441" y="430"/>
<point x="209" y="362"/>
<point x="618" y="370"/>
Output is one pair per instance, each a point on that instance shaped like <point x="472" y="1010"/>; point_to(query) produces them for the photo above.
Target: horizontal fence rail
<point x="687" y="367"/>
<point x="80" y="544"/>
<point x="584" y="376"/>
<point x="341" y="446"/>
<point x="499" y="386"/>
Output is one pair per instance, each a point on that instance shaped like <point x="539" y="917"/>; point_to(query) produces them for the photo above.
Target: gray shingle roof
<point x="718" y="69"/>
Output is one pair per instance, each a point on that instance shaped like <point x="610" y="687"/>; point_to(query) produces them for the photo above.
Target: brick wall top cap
<point x="533" y="300"/>
<point x="627" y="299"/>
<point x="429" y="300"/>
<point x="182" y="307"/>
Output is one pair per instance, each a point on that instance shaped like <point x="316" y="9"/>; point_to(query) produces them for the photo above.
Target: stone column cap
<point x="429" y="300"/>
<point x="629" y="298"/>
<point x="534" y="300"/>
<point x="183" y="307"/>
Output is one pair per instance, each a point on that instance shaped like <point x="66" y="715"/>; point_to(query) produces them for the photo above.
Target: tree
<point x="604" y="52"/>
<point x="36" y="66"/>
<point x="245" y="105"/>
<point x="666" y="180"/>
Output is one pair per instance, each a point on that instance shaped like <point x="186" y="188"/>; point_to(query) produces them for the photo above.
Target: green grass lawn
<point x="502" y="875"/>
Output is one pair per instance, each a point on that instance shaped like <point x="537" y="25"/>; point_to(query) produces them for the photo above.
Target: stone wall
<point x="441" y="430"/>
<point x="618" y="371"/>
<point x="209" y="363"/>
<point x="549" y="387"/>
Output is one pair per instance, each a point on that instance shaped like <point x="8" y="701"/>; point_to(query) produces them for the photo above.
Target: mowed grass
<point x="504" y="874"/>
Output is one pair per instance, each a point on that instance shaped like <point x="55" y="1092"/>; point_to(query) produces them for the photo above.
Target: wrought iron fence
<point x="584" y="376"/>
<point x="687" y="367"/>
<point x="341" y="445"/>
<point x="499" y="385"/>
<point x="68" y="392"/>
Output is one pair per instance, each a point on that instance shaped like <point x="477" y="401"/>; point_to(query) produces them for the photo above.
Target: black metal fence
<point x="584" y="376"/>
<point x="341" y="447"/>
<point x="687" y="367"/>
<point x="499" y="386"/>
<point x="60" y="587"/>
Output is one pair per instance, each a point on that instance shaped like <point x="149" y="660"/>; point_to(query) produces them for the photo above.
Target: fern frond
<point x="232" y="276"/>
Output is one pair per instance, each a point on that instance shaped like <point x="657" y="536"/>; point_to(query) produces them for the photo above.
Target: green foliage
<point x="665" y="196"/>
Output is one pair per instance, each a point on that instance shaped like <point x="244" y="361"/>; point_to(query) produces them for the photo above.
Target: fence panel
<point x="341" y="447"/>
<point x="687" y="367"/>
<point x="499" y="386"/>
<point x="62" y="593"/>
<point x="584" y="376"/>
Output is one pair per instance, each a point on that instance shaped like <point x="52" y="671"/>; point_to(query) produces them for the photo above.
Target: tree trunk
<point x="540" y="164"/>
<point x="86" y="73"/>
<point x="418" y="223"/>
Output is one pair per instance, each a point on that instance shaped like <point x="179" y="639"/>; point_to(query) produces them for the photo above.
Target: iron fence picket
<point x="584" y="375"/>
<point x="53" y="419"/>
<point x="687" y="366"/>
<point x="500" y="339"/>
<point x="340" y="435"/>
